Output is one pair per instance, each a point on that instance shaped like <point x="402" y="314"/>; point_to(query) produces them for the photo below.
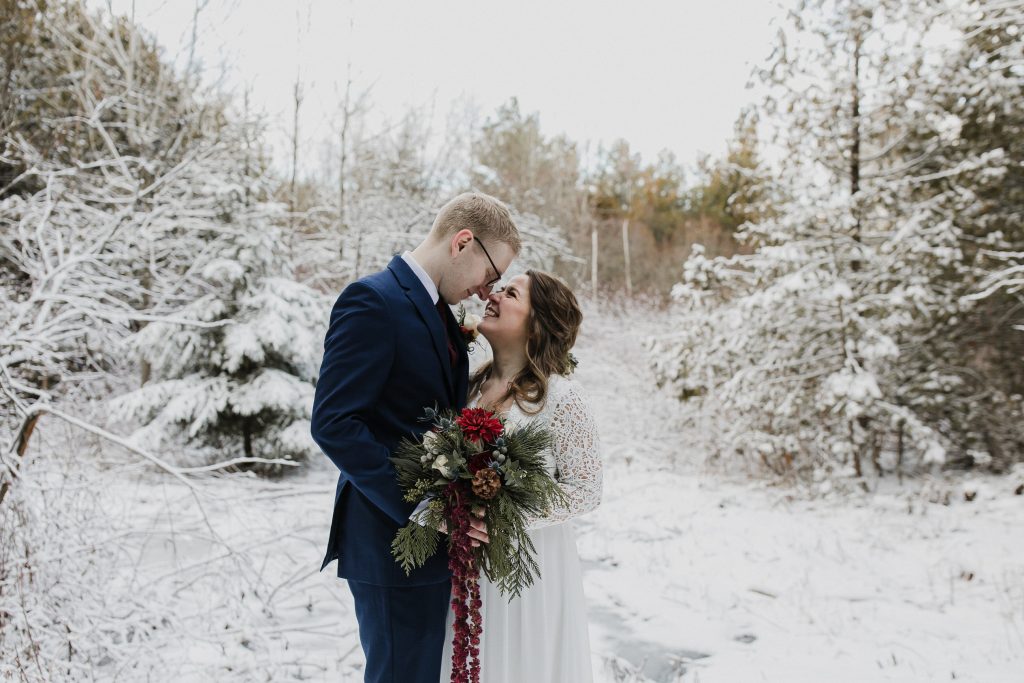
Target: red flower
<point x="479" y="423"/>
<point x="478" y="462"/>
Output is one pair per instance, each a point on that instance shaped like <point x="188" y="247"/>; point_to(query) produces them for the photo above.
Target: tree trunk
<point x="26" y="433"/>
<point x="625" y="252"/>
<point x="855" y="143"/>
<point x="346" y="116"/>
<point x="899" y="452"/>
<point x="247" y="435"/>
<point x="593" y="261"/>
<point x="293" y="199"/>
<point x="876" y="452"/>
<point x="856" y="452"/>
<point x="145" y="368"/>
<point x="359" y="246"/>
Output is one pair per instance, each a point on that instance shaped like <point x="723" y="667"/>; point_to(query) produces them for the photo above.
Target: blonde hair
<point x="488" y="218"/>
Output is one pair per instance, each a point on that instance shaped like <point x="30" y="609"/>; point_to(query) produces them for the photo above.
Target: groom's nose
<point x="485" y="291"/>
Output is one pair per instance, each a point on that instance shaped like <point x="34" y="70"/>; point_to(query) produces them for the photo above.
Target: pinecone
<point x="486" y="483"/>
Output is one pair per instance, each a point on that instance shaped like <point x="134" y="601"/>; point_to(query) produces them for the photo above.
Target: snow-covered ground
<point x="690" y="575"/>
<point x="695" y="577"/>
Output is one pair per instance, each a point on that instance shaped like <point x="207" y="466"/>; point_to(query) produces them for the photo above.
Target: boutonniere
<point x="467" y="326"/>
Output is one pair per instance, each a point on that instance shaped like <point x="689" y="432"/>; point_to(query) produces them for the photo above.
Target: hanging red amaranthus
<point x="466" y="601"/>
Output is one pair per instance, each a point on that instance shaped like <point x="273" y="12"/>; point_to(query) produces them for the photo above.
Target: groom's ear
<point x="460" y="241"/>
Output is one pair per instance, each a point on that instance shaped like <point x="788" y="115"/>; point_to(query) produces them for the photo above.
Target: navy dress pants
<point x="402" y="630"/>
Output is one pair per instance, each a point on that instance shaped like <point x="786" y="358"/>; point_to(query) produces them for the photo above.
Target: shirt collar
<point x="428" y="284"/>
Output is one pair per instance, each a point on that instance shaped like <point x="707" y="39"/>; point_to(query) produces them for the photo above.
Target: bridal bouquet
<point x="465" y="461"/>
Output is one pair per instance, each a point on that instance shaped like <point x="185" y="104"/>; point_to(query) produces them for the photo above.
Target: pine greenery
<point x="527" y="492"/>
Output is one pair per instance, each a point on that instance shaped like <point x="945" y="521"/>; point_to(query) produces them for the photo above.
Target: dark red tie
<point x="453" y="356"/>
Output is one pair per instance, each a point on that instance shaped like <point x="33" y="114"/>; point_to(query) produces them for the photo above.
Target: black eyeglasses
<point x="490" y="283"/>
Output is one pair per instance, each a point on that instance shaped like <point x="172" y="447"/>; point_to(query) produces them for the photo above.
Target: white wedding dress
<point x="542" y="635"/>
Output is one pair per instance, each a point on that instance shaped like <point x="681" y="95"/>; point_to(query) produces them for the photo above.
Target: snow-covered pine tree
<point x="238" y="383"/>
<point x="968" y="153"/>
<point x="800" y="348"/>
<point x="101" y="147"/>
<point x="119" y="189"/>
<point x="126" y="189"/>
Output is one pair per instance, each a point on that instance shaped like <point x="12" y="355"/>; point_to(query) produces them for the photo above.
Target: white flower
<point x="429" y="440"/>
<point x="471" y="322"/>
<point x="440" y="466"/>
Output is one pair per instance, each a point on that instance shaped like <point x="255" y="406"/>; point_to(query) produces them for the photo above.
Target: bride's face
<point x="507" y="313"/>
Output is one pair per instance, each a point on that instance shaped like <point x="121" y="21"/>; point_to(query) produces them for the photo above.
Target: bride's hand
<point x="478" y="528"/>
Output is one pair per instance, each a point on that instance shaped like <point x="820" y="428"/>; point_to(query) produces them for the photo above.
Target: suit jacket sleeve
<point x="358" y="354"/>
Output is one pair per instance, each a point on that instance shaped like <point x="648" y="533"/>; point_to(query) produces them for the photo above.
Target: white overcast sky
<point x="666" y="74"/>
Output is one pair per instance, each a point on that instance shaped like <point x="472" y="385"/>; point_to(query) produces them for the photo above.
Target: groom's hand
<point x="477" y="530"/>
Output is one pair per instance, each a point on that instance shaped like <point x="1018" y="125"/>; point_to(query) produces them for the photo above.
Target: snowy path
<point x="694" y="578"/>
<point x="689" y="577"/>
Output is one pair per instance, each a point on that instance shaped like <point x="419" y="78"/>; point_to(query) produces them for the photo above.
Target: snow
<point x="773" y="588"/>
<point x="690" y="574"/>
<point x="695" y="576"/>
<point x="113" y="569"/>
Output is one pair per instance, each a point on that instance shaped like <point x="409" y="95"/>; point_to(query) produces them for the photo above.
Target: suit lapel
<point x="462" y="367"/>
<point x="428" y="313"/>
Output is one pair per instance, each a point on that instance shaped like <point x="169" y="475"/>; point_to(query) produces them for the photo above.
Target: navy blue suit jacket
<point x="385" y="360"/>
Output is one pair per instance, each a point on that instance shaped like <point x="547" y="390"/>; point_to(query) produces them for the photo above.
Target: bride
<point x="540" y="636"/>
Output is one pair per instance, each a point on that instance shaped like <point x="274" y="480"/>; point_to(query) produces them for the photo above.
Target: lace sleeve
<point x="577" y="456"/>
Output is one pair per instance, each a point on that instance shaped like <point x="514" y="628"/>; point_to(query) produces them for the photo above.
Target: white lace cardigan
<point x="574" y="459"/>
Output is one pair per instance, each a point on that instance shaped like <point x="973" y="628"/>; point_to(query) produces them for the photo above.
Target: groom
<point x="392" y="349"/>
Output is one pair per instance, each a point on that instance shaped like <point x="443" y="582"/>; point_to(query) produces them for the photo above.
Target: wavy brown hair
<point x="553" y="324"/>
